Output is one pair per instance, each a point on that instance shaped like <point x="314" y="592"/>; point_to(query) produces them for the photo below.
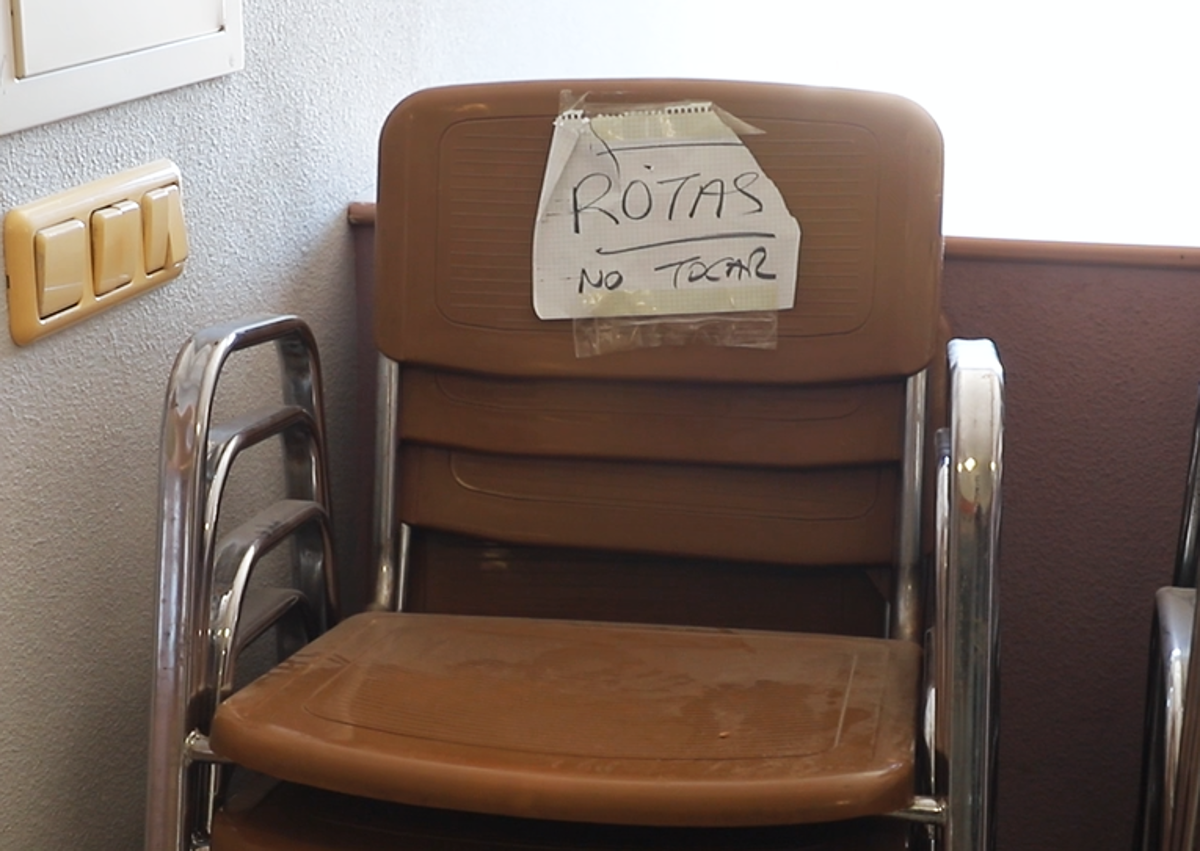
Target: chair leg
<point x="906" y="616"/>
<point x="390" y="551"/>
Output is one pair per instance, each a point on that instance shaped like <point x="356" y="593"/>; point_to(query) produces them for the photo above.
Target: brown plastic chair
<point x="669" y="597"/>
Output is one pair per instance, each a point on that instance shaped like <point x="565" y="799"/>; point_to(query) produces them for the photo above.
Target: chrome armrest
<point x="195" y="459"/>
<point x="238" y="556"/>
<point x="1175" y="609"/>
<point x="966" y="622"/>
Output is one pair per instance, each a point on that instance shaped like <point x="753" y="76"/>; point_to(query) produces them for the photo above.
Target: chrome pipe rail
<point x="1180" y="790"/>
<point x="906" y="605"/>
<point x="303" y="448"/>
<point x="402" y="550"/>
<point x="389" y="585"/>
<point x="1189" y="526"/>
<point x="191" y="475"/>
<point x="1175" y="611"/>
<point x="1165" y="696"/>
<point x="937" y="660"/>
<point x="264" y="608"/>
<point x="968" y="686"/>
<point x="1184" y="805"/>
<point x="240" y="553"/>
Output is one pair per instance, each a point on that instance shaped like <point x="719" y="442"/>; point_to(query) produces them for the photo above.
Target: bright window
<point x="1063" y="119"/>
<point x="1076" y="121"/>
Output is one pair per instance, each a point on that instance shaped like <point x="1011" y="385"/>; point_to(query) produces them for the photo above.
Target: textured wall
<point x="1101" y="367"/>
<point x="270" y="157"/>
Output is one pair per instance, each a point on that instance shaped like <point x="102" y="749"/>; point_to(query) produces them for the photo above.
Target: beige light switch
<point x="163" y="231"/>
<point x="177" y="241"/>
<point x="154" y="228"/>
<point x="116" y="243"/>
<point x="61" y="259"/>
<point x="72" y="254"/>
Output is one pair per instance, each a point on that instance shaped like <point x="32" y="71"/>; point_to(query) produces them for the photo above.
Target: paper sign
<point x="659" y="211"/>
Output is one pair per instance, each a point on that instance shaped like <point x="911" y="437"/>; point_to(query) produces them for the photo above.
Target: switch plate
<point x="97" y="229"/>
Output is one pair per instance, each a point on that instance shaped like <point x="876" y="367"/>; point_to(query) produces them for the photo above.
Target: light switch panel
<point x="70" y="255"/>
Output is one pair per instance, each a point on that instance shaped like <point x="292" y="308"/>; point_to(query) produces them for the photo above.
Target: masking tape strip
<point x="579" y="106"/>
<point x="683" y="302"/>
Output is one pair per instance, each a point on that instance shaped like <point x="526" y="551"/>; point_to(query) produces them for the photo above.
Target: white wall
<point x="270" y="158"/>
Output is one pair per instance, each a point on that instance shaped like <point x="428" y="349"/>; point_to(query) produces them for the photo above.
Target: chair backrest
<point x="786" y="456"/>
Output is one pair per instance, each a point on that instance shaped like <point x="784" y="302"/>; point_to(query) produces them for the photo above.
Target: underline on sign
<point x="608" y="252"/>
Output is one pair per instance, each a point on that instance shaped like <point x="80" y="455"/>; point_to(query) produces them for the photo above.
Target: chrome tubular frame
<point x="960" y="712"/>
<point x="241" y="552"/>
<point x="196" y="460"/>
<point x="1175" y="610"/>
<point x="391" y="554"/>
<point x="303" y="451"/>
<point x="966" y="689"/>
<point x="1189" y="527"/>
<point x="906" y="603"/>
<point x="1180" y="794"/>
<point x="1184" y="808"/>
<point x="937" y="661"/>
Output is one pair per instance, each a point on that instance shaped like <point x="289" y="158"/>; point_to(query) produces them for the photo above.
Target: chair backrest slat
<point x="818" y="517"/>
<point x="764" y="425"/>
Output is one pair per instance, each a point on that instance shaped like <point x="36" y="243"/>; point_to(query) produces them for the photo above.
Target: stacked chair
<point x="689" y="597"/>
<point x="1169" y="816"/>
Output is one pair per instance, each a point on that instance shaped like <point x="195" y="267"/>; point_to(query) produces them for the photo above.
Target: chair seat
<point x="589" y="722"/>
<point x="301" y="818"/>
